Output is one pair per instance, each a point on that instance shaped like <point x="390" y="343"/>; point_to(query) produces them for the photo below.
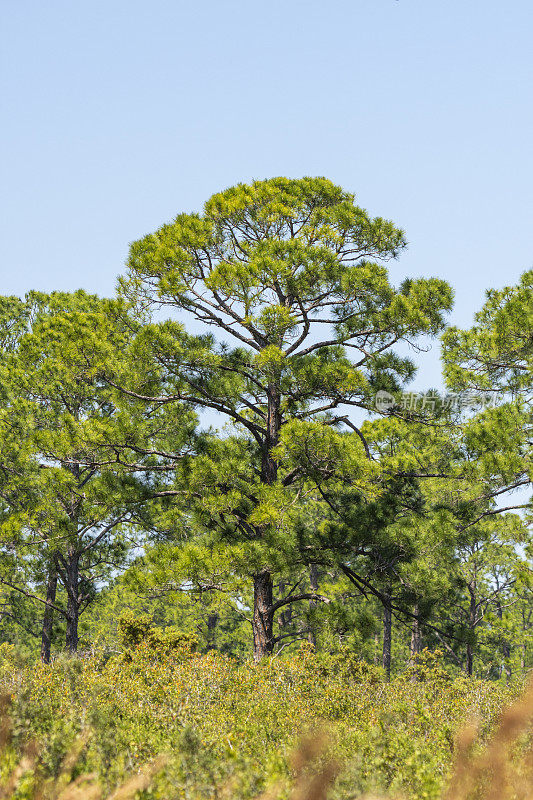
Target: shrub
<point x="428" y="665"/>
<point x="230" y="727"/>
<point x="138" y="632"/>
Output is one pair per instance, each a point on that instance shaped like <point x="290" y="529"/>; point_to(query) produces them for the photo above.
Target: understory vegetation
<point x="224" y="728"/>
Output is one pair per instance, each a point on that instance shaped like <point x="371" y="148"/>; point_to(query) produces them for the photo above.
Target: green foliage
<point x="347" y="666"/>
<point x="428" y="665"/>
<point x="135" y="631"/>
<point x="496" y="356"/>
<point x="232" y="726"/>
<point x="293" y="272"/>
<point x="496" y="352"/>
<point x="176" y="541"/>
<point x="76" y="471"/>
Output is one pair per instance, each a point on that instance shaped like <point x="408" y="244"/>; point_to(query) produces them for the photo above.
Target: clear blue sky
<point x="117" y="115"/>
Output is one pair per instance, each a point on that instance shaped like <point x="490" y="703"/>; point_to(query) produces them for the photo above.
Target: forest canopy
<point x="229" y="450"/>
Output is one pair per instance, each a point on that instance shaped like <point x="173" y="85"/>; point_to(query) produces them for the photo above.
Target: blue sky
<point x="118" y="115"/>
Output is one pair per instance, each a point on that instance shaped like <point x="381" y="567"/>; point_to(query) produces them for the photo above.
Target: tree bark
<point x="472" y="620"/>
<point x="313" y="584"/>
<point x="48" y="616"/>
<point x="263" y="616"/>
<point x="72" y="569"/>
<point x="526" y="625"/>
<point x="212" y="622"/>
<point x="506" y="648"/>
<point x="269" y="467"/>
<point x="285" y="616"/>
<point x="73" y="605"/>
<point x="469" y="659"/>
<point x="387" y="633"/>
<point x="415" y="644"/>
<point x="416" y="635"/>
<point x="506" y="652"/>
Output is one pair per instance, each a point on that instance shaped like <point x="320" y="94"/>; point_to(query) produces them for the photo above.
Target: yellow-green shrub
<point x="225" y="721"/>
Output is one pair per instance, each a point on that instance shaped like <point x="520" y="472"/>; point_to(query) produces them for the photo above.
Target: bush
<point x="348" y="667"/>
<point x="428" y="665"/>
<point x="230" y="727"/>
<point x="138" y="633"/>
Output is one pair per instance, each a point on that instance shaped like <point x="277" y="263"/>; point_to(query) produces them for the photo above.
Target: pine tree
<point x="291" y="273"/>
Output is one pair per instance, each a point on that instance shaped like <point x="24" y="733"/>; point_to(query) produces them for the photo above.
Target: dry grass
<point x="65" y="787"/>
<point x="502" y="770"/>
<point x="314" y="772"/>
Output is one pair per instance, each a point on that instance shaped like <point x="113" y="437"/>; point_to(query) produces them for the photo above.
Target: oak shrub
<point x="231" y="726"/>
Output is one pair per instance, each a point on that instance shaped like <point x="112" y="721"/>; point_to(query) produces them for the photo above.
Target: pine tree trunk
<point x="212" y="622"/>
<point x="526" y="626"/>
<point x="73" y="607"/>
<point x="263" y="617"/>
<point x="415" y="644"/>
<point x="313" y="584"/>
<point x="48" y="616"/>
<point x="506" y="648"/>
<point x="506" y="651"/>
<point x="387" y="634"/>
<point x="285" y="616"/>
<point x="416" y="635"/>
<point x="472" y="620"/>
<point x="469" y="659"/>
<point x="72" y="570"/>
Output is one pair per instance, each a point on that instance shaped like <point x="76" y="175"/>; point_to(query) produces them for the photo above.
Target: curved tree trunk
<point x="469" y="659"/>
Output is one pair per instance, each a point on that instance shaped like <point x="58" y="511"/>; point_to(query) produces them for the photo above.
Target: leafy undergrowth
<point x="176" y="724"/>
